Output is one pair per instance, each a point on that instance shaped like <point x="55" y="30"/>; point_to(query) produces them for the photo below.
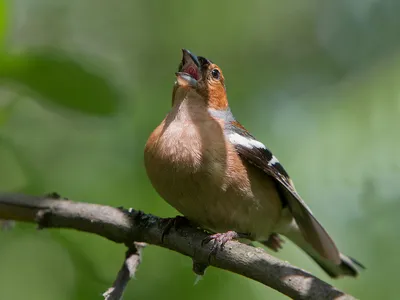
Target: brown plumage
<point x="212" y="170"/>
<point x="193" y="168"/>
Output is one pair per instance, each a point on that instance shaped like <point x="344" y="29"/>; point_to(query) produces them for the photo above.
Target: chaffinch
<point x="212" y="170"/>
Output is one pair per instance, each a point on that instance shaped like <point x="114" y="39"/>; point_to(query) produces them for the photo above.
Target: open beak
<point x="189" y="71"/>
<point x="190" y="57"/>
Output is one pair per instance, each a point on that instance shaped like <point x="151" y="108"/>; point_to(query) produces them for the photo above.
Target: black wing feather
<point x="312" y="230"/>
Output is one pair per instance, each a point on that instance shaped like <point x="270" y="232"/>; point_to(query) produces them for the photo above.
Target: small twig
<point x="127" y="271"/>
<point x="123" y="227"/>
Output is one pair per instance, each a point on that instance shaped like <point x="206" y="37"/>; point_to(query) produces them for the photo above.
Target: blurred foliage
<point x="83" y="83"/>
<point x="3" y="21"/>
<point x="60" y="80"/>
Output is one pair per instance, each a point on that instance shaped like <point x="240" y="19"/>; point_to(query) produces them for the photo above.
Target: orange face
<point x="205" y="77"/>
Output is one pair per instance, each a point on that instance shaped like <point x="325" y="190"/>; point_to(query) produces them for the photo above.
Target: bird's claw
<point x="219" y="240"/>
<point x="274" y="242"/>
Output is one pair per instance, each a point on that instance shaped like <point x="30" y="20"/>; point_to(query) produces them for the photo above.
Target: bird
<point x="206" y="165"/>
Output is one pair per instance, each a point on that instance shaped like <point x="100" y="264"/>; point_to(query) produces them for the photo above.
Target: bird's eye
<point x="215" y="74"/>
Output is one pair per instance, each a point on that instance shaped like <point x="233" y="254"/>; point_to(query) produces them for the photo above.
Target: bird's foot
<point x="220" y="239"/>
<point x="173" y="223"/>
<point x="274" y="242"/>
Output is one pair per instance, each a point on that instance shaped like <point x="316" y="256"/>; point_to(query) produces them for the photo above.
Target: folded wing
<point x="258" y="155"/>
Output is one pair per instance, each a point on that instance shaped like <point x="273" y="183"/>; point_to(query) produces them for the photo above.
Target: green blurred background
<point x="84" y="82"/>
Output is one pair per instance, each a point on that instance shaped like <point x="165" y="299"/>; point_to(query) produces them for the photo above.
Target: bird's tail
<point x="348" y="266"/>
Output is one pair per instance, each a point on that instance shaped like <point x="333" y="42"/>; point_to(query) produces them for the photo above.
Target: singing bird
<point x="220" y="177"/>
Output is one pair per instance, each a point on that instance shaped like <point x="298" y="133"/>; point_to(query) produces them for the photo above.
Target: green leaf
<point x="6" y="106"/>
<point x="54" y="78"/>
<point x="3" y="21"/>
<point x="12" y="176"/>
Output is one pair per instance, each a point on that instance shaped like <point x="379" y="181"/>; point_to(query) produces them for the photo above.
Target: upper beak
<point x="188" y="56"/>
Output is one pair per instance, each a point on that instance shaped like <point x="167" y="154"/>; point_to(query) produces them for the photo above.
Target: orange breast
<point x="194" y="169"/>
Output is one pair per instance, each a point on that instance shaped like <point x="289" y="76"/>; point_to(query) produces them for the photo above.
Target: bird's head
<point x="197" y="74"/>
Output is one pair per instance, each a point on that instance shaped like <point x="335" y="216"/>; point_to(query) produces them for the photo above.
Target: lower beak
<point x="185" y="80"/>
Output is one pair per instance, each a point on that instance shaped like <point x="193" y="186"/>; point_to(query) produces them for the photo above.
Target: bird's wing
<point x="258" y="155"/>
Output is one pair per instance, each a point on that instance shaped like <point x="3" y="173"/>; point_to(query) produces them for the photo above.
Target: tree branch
<point x="127" y="271"/>
<point x="128" y="227"/>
